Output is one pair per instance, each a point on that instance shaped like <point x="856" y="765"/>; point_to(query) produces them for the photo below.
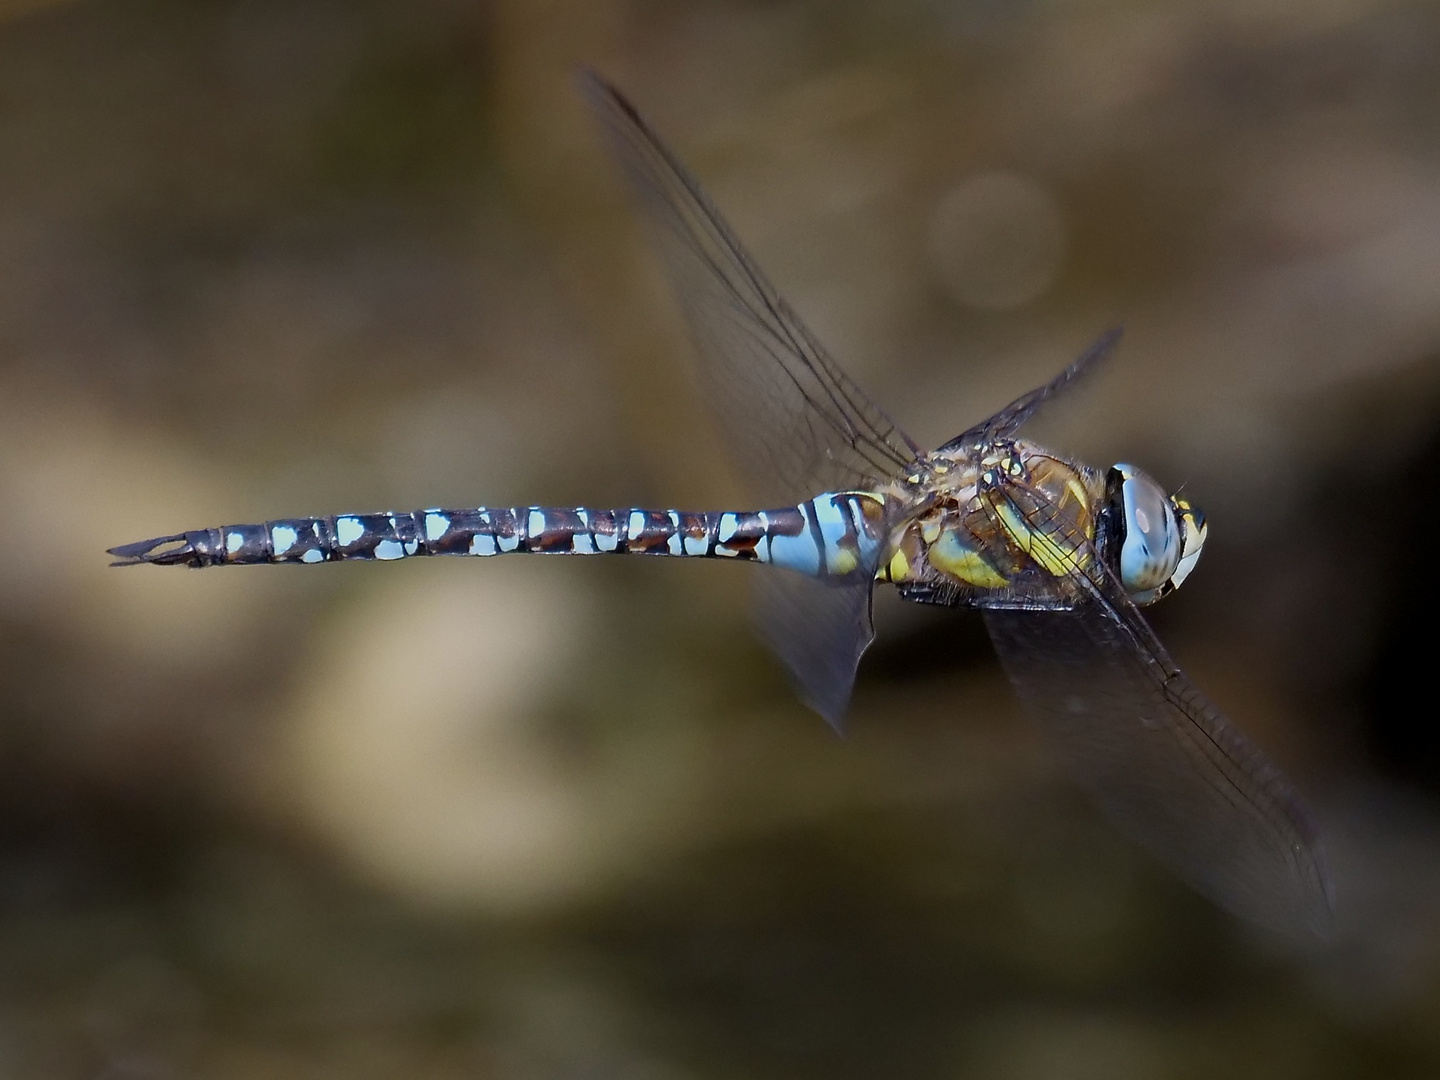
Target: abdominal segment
<point x="835" y="534"/>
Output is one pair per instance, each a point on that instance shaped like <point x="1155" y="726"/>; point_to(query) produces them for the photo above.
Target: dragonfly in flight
<point x="1059" y="557"/>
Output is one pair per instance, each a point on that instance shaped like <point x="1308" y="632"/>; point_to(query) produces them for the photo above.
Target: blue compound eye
<point x="1152" y="546"/>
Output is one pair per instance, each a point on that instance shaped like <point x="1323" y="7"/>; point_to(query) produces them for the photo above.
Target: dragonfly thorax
<point x="1010" y="524"/>
<point x="1001" y="525"/>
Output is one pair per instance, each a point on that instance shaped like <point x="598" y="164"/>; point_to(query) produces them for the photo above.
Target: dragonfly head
<point x="1156" y="538"/>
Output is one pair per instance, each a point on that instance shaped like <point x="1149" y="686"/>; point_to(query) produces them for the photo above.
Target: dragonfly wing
<point x="796" y="423"/>
<point x="818" y="628"/>
<point x="1163" y="762"/>
<point x="1005" y="423"/>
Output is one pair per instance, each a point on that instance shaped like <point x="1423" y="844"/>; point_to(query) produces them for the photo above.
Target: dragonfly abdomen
<point x="823" y="536"/>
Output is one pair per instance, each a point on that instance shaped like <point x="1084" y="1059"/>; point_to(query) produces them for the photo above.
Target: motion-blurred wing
<point x="1163" y="762"/>
<point x="818" y="629"/>
<point x="795" y="423"/>
<point x="1007" y="421"/>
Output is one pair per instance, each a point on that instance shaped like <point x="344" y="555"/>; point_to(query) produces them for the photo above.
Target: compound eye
<point x="1151" y="549"/>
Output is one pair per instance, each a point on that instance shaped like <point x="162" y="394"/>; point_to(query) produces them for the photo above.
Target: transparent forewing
<point x="1005" y="423"/>
<point x="795" y="422"/>
<point x="1163" y="762"/>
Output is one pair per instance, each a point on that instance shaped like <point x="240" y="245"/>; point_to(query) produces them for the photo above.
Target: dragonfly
<point x="1057" y="555"/>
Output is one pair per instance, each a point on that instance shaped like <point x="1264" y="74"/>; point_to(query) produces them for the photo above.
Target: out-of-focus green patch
<point x="411" y="119"/>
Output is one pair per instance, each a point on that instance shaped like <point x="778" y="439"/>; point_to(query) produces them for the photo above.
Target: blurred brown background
<point x="561" y="818"/>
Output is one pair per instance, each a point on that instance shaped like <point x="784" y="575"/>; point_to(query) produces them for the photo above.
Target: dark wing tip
<point x="1008" y="420"/>
<point x="1082" y="365"/>
<point x="1099" y="350"/>
<point x="592" y="84"/>
<point x="604" y="95"/>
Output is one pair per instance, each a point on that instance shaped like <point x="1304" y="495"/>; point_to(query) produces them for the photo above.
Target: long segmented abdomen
<point x="829" y="535"/>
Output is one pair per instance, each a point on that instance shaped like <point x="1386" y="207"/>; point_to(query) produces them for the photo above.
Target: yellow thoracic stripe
<point x="952" y="555"/>
<point x="1055" y="558"/>
<point x="897" y="569"/>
